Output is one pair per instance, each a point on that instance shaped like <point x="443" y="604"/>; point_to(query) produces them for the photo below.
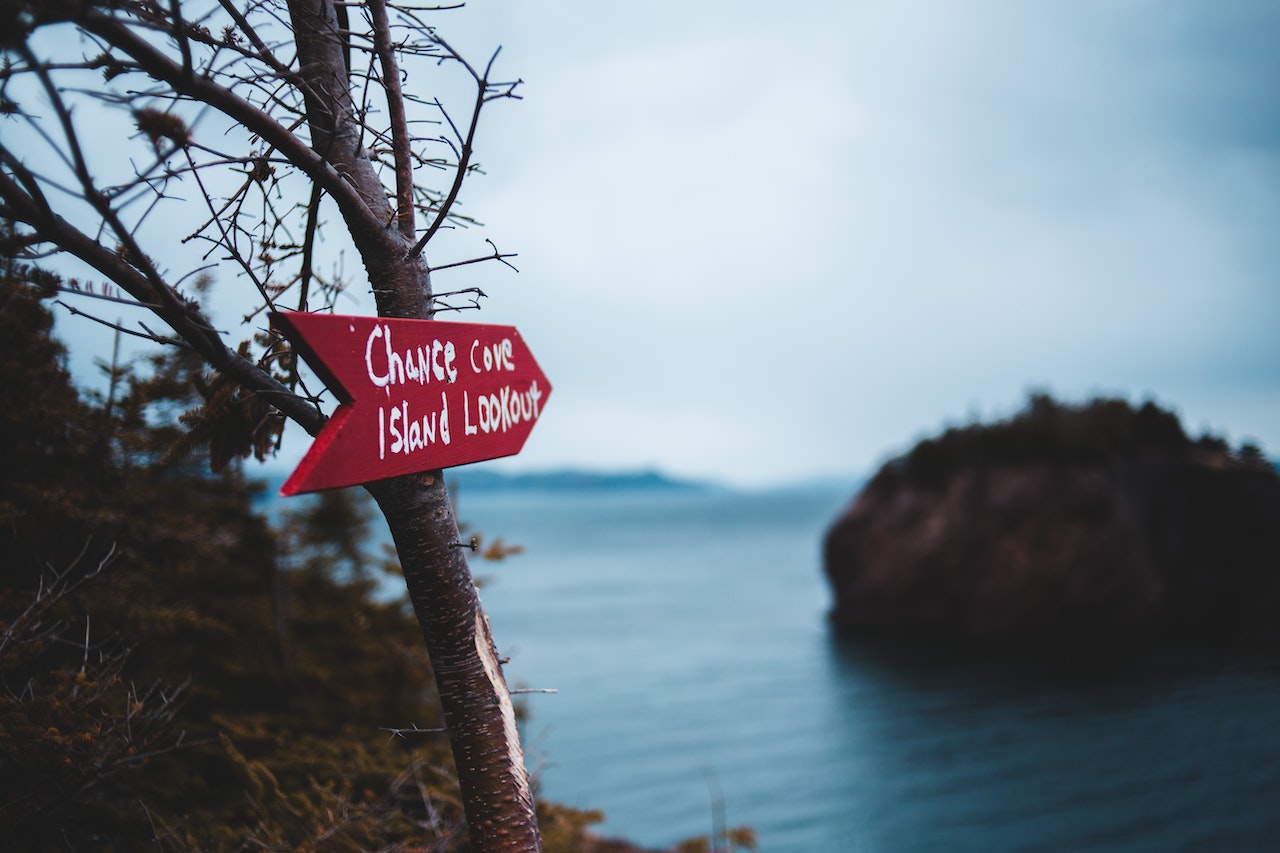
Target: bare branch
<point x="151" y="285"/>
<point x="146" y="334"/>
<point x="395" y="105"/>
<point x="365" y="225"/>
<point x="308" y="246"/>
<point x="182" y="316"/>
<point x="483" y="96"/>
<point x="496" y="256"/>
<point x="264" y="53"/>
<point x="226" y="239"/>
<point x="55" y="585"/>
<point x="412" y="729"/>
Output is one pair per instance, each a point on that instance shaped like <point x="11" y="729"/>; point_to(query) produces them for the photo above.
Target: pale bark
<point x="477" y="705"/>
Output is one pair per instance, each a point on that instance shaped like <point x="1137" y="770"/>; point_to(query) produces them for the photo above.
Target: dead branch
<point x="395" y="105"/>
<point x="467" y="141"/>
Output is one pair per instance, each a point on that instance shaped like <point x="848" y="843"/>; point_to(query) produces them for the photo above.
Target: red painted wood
<point x="415" y="395"/>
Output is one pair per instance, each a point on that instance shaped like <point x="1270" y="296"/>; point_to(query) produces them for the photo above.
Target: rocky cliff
<point x="1072" y="523"/>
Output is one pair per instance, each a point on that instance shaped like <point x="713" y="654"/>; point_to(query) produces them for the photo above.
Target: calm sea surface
<point x="685" y="633"/>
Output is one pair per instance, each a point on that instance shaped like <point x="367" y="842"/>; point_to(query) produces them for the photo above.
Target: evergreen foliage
<point x="175" y="672"/>
<point x="1047" y="431"/>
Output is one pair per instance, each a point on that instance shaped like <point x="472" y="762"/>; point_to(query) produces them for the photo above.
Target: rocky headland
<point x="1083" y="524"/>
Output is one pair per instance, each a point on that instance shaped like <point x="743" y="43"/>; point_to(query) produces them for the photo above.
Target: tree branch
<point x="459" y="175"/>
<point x="184" y="317"/>
<point x="365" y="225"/>
<point x="395" y="107"/>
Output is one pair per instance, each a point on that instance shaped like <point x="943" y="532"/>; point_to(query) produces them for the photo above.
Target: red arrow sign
<point x="415" y="395"/>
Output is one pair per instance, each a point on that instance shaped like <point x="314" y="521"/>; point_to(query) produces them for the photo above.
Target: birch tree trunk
<point x="477" y="705"/>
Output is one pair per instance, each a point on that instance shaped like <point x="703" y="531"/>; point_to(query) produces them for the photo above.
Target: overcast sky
<point x="762" y="241"/>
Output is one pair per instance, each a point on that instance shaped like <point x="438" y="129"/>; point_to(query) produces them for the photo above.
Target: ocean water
<point x="685" y="634"/>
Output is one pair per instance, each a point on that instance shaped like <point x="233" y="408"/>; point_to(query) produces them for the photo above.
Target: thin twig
<point x="413" y="729"/>
<point x="147" y="336"/>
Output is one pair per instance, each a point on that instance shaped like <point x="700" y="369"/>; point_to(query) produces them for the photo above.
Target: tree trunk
<point x="477" y="705"/>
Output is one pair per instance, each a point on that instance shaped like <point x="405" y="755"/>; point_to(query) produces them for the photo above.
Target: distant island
<point x="1086" y="524"/>
<point x="471" y="478"/>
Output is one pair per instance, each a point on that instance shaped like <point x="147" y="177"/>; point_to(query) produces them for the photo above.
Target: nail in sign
<point x="415" y="395"/>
